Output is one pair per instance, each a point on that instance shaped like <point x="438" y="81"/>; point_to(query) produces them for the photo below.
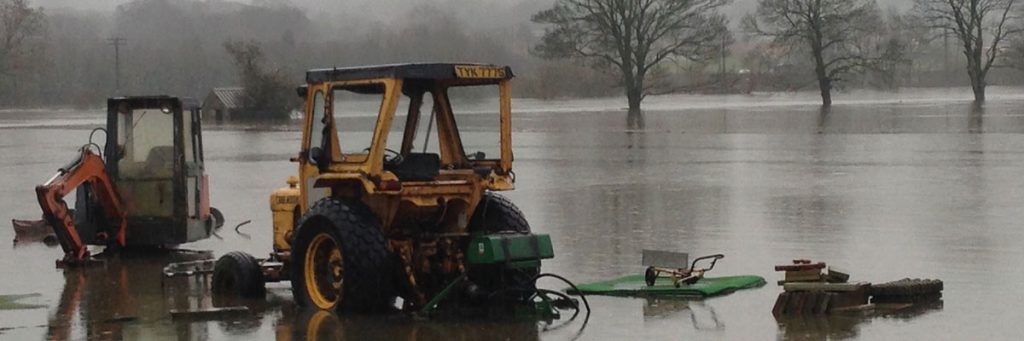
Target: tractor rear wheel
<point x="496" y="214"/>
<point x="340" y="259"/>
<point x="238" y="274"/>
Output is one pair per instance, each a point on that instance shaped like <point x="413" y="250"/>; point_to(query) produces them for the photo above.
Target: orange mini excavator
<point x="146" y="187"/>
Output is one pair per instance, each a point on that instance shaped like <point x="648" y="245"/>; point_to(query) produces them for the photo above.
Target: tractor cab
<point x="154" y="158"/>
<point x="406" y="131"/>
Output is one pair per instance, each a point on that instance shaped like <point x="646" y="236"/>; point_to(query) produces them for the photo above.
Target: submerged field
<point x="885" y="186"/>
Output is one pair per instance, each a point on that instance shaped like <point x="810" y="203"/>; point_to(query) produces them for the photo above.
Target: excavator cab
<point x="154" y="157"/>
<point x="147" y="188"/>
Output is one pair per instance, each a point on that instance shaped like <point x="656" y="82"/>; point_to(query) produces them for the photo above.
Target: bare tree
<point x="18" y="24"/>
<point x="632" y="37"/>
<point x="267" y="94"/>
<point x="973" y="22"/>
<point x="839" y="34"/>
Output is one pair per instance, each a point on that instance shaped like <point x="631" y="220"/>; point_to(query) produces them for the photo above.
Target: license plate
<point x="480" y="72"/>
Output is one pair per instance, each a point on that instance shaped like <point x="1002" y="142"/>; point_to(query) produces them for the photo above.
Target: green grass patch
<point x="9" y="302"/>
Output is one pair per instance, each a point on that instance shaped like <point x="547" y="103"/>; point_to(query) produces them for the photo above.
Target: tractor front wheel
<point x="340" y="259"/>
<point x="238" y="274"/>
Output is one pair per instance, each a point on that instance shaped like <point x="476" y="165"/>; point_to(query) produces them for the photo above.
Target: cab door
<point x="196" y="181"/>
<point x="146" y="162"/>
<point x="315" y="152"/>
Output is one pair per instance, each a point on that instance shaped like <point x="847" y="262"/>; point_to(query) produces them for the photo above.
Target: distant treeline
<point x="178" y="47"/>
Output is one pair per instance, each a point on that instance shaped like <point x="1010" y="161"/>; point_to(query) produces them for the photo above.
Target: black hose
<point x="98" y="149"/>
<point x="583" y="297"/>
<point x="571" y="285"/>
<point x="240" y="233"/>
<point x="543" y="293"/>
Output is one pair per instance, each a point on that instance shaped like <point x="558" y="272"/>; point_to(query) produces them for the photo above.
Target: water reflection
<point x="877" y="118"/>
<point x="823" y="118"/>
<point x="702" y="315"/>
<point x="841" y="326"/>
<point x="128" y="298"/>
<point x="122" y="298"/>
<point x="820" y="328"/>
<point x="317" y="325"/>
<point x="976" y="119"/>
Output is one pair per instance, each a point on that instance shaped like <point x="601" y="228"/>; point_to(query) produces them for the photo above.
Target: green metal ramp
<point x="634" y="286"/>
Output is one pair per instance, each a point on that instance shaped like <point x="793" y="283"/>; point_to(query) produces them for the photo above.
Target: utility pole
<point x="945" y="55"/>
<point x="722" y="79"/>
<point x="117" y="42"/>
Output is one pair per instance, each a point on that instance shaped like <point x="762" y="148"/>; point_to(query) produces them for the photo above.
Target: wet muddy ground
<point x="885" y="186"/>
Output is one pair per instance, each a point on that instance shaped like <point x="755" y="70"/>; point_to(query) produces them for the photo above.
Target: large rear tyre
<point x="496" y="214"/>
<point x="238" y="274"/>
<point x="340" y="259"/>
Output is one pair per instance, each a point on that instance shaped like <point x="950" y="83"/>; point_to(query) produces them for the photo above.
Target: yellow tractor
<point x="396" y="195"/>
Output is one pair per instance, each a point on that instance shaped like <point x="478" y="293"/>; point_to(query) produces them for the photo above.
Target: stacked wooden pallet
<point x="810" y="290"/>
<point x="820" y="298"/>
<point x="907" y="291"/>
<point x="803" y="270"/>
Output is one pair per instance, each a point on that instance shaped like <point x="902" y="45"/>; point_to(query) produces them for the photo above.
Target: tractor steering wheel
<point x="392" y="157"/>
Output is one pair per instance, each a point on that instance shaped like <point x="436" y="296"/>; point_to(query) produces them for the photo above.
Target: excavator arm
<point x="87" y="168"/>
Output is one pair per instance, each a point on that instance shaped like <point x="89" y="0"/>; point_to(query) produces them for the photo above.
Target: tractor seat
<point x="416" y="167"/>
<point x="160" y="160"/>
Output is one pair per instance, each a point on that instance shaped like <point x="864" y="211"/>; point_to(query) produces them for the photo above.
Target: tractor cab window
<point x="316" y="136"/>
<point x="414" y="125"/>
<point x="425" y="138"/>
<point x="187" y="137"/>
<point x="145" y="161"/>
<point x="411" y="153"/>
<point x="477" y="112"/>
<point x="146" y="144"/>
<point x="355" y="109"/>
<point x="395" y="135"/>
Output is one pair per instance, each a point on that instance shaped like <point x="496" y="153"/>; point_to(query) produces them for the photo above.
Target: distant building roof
<point x="230" y="97"/>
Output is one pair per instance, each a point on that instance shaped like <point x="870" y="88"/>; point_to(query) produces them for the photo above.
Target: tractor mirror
<point x="315" y="155"/>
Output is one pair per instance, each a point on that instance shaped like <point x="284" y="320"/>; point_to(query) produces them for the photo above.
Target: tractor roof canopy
<point x="466" y="73"/>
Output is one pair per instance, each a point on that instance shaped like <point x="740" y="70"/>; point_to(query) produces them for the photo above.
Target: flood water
<point x="885" y="186"/>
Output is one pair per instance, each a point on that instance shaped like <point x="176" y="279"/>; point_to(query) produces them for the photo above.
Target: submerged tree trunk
<point x="824" y="114"/>
<point x="824" y="82"/>
<point x="976" y="118"/>
<point x="976" y="73"/>
<point x="826" y="92"/>
<point x="635" y="116"/>
<point x="978" y="85"/>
